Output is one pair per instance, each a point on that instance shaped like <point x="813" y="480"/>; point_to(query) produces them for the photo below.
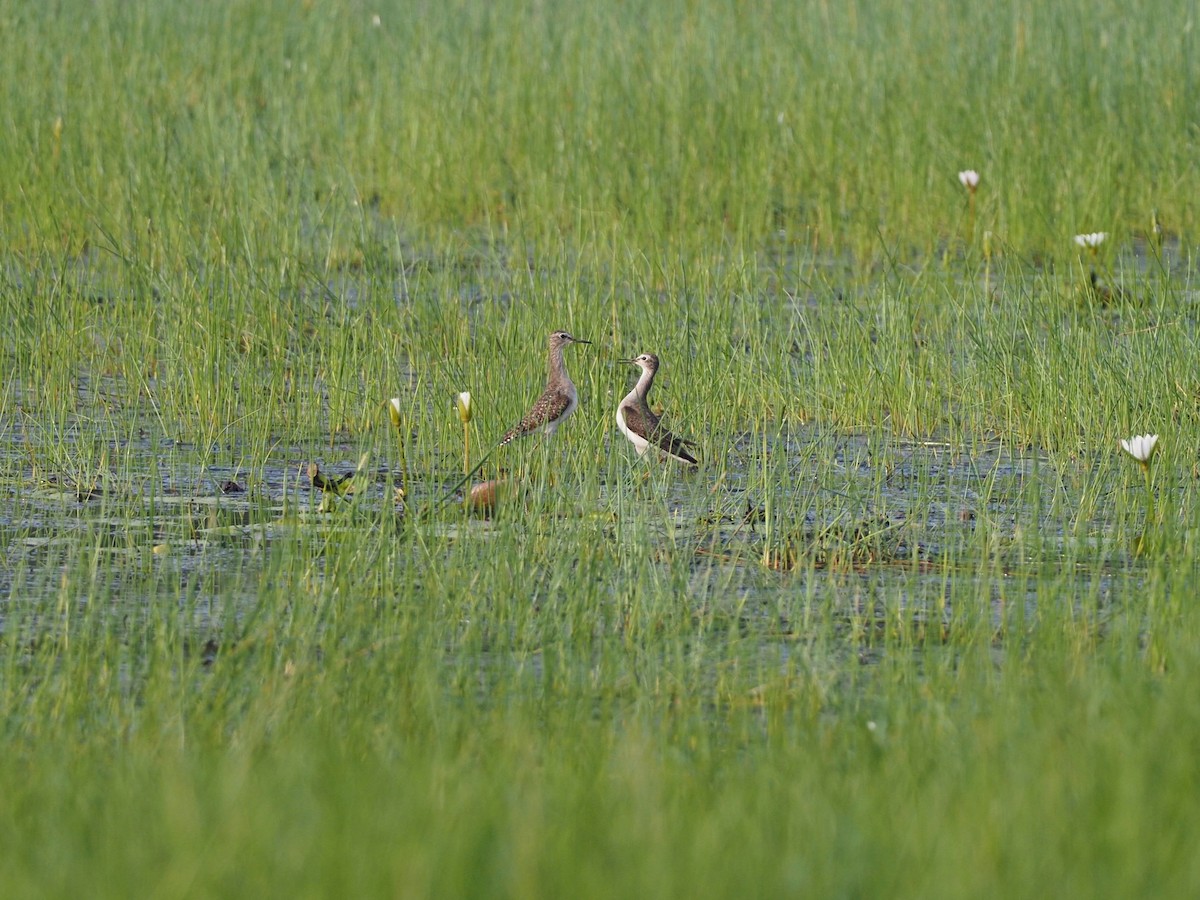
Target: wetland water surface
<point x="865" y="529"/>
<point x="870" y="449"/>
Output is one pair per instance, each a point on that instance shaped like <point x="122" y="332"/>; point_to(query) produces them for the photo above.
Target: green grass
<point x="266" y="134"/>
<point x="893" y="639"/>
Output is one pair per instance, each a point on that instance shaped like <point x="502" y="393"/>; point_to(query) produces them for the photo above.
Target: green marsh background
<point x="891" y="640"/>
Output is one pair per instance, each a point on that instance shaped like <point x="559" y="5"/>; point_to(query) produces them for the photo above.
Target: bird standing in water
<point x="558" y="400"/>
<point x="638" y="422"/>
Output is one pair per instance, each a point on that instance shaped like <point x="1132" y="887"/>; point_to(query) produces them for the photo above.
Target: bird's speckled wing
<point x="549" y="406"/>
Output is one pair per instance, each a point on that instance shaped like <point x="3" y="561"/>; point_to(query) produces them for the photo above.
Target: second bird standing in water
<point x="638" y="422"/>
<point x="558" y="400"/>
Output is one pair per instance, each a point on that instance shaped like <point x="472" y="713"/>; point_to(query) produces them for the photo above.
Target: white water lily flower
<point x="1140" y="446"/>
<point x="1091" y="241"/>
<point x="463" y="404"/>
<point x="394" y="411"/>
<point x="969" y="179"/>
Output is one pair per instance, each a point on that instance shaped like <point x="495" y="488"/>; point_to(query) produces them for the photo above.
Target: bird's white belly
<point x="640" y="443"/>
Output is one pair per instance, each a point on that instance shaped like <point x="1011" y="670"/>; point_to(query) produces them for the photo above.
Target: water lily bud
<point x="394" y="411"/>
<point x="463" y="404"/>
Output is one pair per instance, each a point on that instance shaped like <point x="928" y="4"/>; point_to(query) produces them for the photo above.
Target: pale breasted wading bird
<point x="638" y="422"/>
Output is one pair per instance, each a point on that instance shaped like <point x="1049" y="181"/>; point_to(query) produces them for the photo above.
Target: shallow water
<point x="872" y="526"/>
<point x="875" y="539"/>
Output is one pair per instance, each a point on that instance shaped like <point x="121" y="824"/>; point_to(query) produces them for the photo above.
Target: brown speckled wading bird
<point x="558" y="400"/>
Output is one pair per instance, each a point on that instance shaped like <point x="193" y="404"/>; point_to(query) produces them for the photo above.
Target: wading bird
<point x="638" y="422"/>
<point x="558" y="400"/>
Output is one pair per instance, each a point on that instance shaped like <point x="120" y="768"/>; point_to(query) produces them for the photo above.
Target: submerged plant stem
<point x="466" y="448"/>
<point x="1150" y="511"/>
